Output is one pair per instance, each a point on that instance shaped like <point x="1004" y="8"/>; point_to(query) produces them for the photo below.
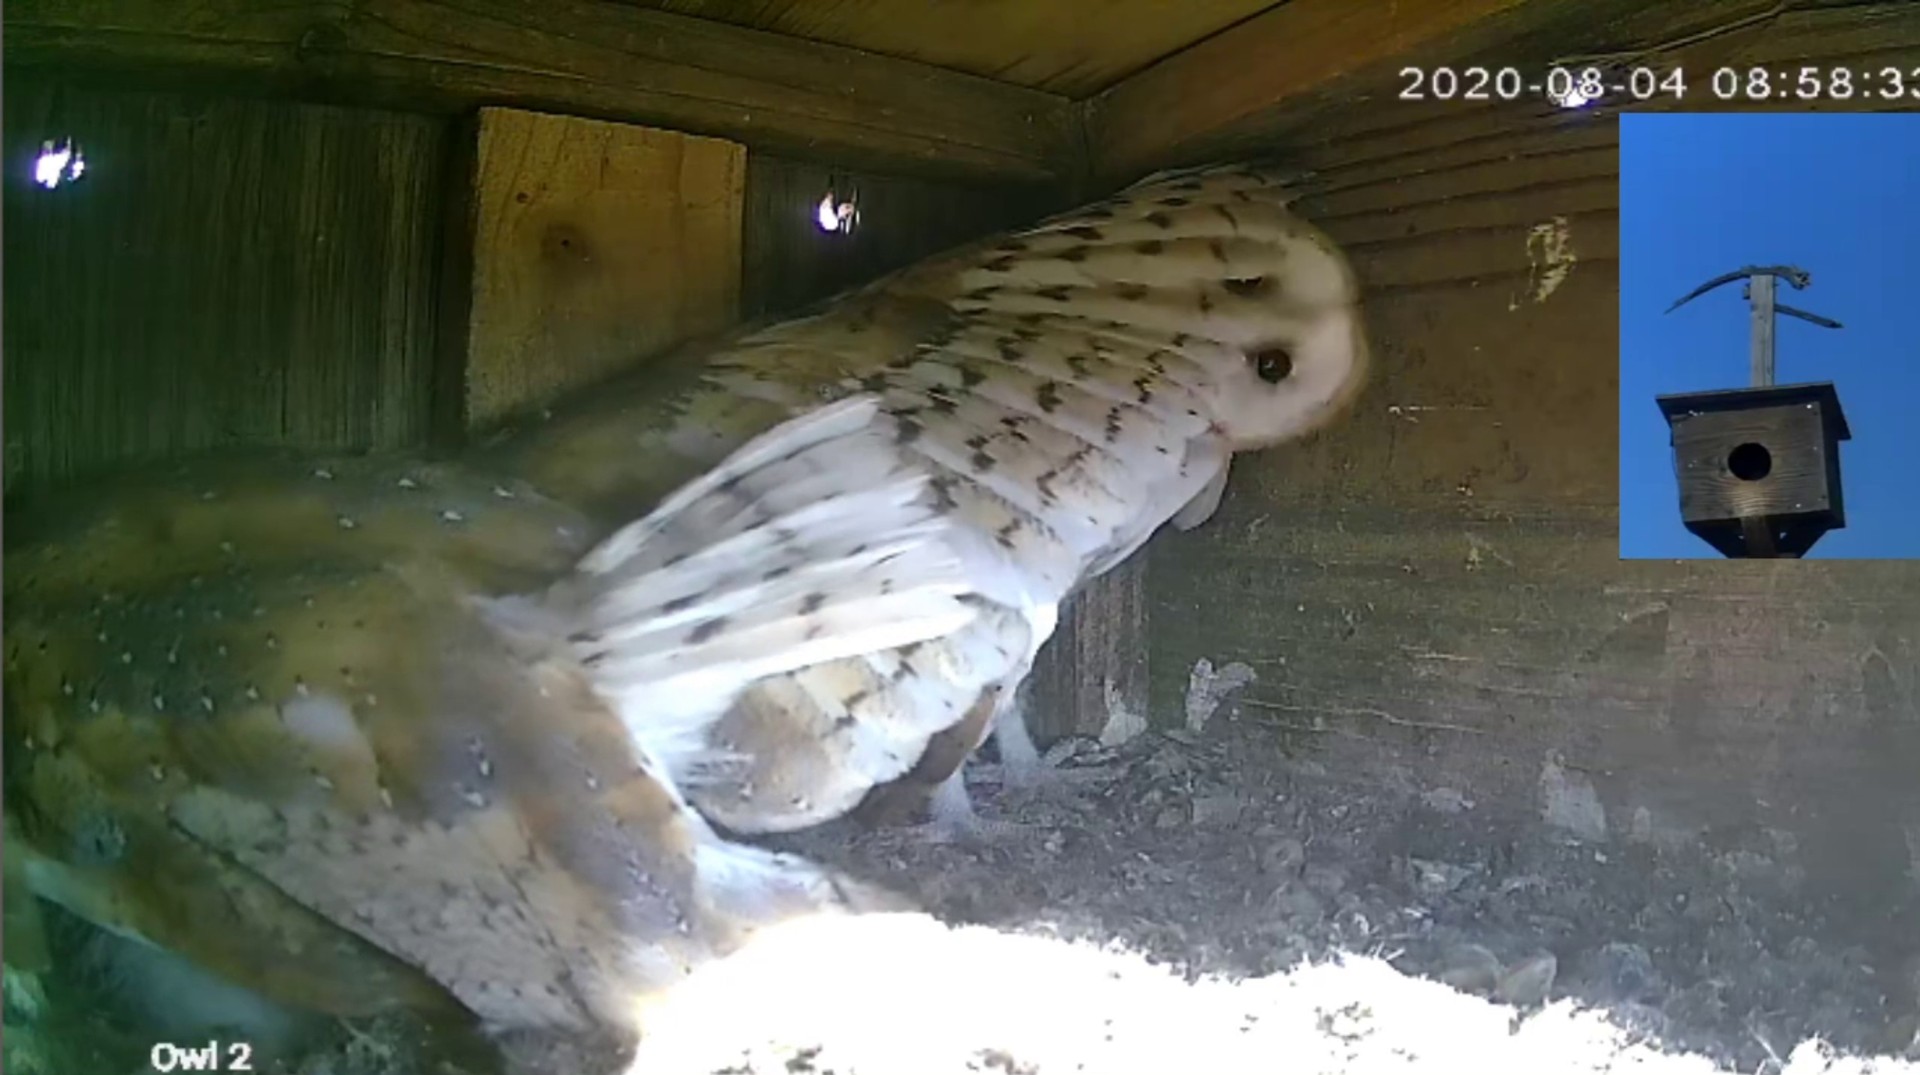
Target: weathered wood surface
<point x="1488" y="249"/>
<point x="1479" y="648"/>
<point x="235" y="272"/>
<point x="1793" y="441"/>
<point x="1059" y="47"/>
<point x="582" y="57"/>
<point x="1432" y="589"/>
<point x="1151" y="120"/>
<point x="1091" y="678"/>
<point x="1288" y="51"/>
<point x="226" y="272"/>
<point x="593" y="245"/>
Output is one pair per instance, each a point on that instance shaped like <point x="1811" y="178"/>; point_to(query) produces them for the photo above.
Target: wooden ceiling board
<point x="1069" y="47"/>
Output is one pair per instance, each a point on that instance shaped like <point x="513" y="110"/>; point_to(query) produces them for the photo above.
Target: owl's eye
<point x="1273" y="364"/>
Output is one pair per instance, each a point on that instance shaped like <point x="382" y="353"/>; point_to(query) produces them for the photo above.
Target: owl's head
<point x="1210" y="264"/>
<point x="1293" y="346"/>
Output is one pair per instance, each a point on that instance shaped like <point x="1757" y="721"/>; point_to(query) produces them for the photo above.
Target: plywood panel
<point x="594" y="245"/>
<point x="1061" y="47"/>
<point x="227" y="272"/>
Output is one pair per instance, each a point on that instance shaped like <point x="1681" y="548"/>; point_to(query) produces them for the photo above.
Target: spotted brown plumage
<point x="1072" y="387"/>
<point x="356" y="736"/>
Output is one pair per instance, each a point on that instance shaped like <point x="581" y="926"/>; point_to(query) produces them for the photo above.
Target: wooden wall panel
<point x="227" y="272"/>
<point x="592" y="58"/>
<point x="235" y="272"/>
<point x="1431" y="591"/>
<point x="593" y="244"/>
<point x="790" y="262"/>
<point x="1483" y="647"/>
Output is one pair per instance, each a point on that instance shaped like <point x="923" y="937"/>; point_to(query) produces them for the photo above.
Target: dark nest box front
<point x="1759" y="468"/>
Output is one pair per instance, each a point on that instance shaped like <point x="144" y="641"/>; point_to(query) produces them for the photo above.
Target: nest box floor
<point x="1207" y="899"/>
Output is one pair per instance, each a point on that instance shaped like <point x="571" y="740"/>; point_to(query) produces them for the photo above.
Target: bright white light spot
<point x="58" y="163"/>
<point x="1574" y="97"/>
<point x="902" y="992"/>
<point x="833" y="214"/>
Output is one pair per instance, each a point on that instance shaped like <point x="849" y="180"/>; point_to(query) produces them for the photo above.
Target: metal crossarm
<point x="1760" y="294"/>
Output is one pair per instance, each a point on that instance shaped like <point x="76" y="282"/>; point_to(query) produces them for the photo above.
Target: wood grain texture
<point x="1095" y="669"/>
<point x="1431" y="592"/>
<point x="594" y="245"/>
<point x="1472" y="646"/>
<point x="1825" y="35"/>
<point x="226" y="273"/>
<point x="1291" y="50"/>
<point x="1796" y="478"/>
<point x="1064" y="48"/>
<point x="1432" y="588"/>
<point x="1201" y="104"/>
<point x="1486" y="238"/>
<point x="791" y="262"/>
<point x="582" y="57"/>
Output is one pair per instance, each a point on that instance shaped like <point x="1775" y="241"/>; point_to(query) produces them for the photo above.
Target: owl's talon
<point x="953" y="819"/>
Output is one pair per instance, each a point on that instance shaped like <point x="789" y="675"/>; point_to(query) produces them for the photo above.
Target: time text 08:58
<point x="1586" y="85"/>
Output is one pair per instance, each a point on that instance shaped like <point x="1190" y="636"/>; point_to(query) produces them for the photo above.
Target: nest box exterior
<point x="1759" y="468"/>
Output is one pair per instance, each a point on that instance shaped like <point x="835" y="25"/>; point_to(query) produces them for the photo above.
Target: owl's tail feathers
<point x="814" y="542"/>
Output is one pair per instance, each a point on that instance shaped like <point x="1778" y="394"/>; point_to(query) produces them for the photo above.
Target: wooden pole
<point x="1757" y="530"/>
<point x="1761" y="357"/>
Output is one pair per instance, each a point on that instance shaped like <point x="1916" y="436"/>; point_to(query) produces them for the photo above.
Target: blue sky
<point x="1834" y="194"/>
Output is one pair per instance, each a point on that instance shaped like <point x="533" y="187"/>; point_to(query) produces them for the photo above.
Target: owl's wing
<point x="816" y="542"/>
<point x="437" y="773"/>
<point x="901" y="800"/>
<point x="1072" y="386"/>
<point x="805" y="748"/>
<point x="1151" y="255"/>
<point x="228" y="628"/>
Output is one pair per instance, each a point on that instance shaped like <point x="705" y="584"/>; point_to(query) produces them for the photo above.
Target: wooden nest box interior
<point x="1388" y="688"/>
<point x="1759" y="468"/>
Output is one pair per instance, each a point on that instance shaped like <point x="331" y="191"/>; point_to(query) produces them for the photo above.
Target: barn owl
<point x="1073" y="386"/>
<point x="386" y="734"/>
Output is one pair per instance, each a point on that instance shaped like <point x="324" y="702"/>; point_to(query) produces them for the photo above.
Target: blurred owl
<point x="1072" y="386"/>
<point x="386" y="735"/>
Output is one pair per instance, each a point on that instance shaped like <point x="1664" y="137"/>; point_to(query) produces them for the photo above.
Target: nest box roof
<point x="1742" y="399"/>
